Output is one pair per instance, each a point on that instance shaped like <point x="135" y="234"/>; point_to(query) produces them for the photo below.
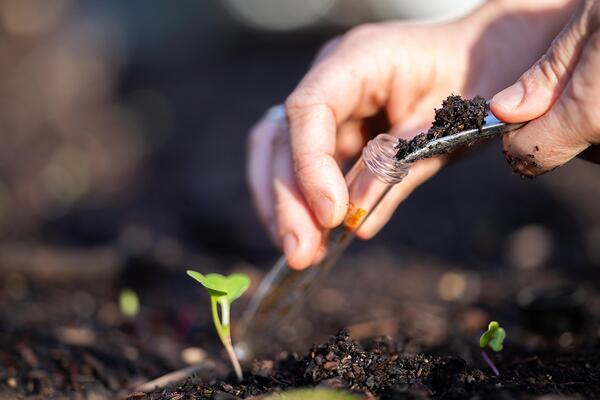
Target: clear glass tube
<point x="283" y="290"/>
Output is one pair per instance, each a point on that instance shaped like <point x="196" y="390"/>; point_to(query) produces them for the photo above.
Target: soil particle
<point x="455" y="115"/>
<point x="524" y="166"/>
<point x="362" y="370"/>
<point x="378" y="369"/>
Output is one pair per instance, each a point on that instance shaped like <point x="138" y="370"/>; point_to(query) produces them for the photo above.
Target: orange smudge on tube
<point x="354" y="216"/>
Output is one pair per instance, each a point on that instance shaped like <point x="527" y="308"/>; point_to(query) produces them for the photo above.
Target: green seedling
<point x="494" y="339"/>
<point x="224" y="290"/>
<point x="129" y="303"/>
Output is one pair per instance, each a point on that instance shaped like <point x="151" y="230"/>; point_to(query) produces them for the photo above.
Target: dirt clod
<point x="378" y="369"/>
<point x="455" y="115"/>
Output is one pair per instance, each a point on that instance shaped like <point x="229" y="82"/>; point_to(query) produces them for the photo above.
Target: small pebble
<point x="12" y="382"/>
<point x="192" y="355"/>
<point x="76" y="335"/>
<point x="131" y="353"/>
<point x="530" y="247"/>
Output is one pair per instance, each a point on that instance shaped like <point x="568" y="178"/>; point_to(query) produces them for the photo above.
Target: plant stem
<point x="234" y="360"/>
<point x="489" y="362"/>
<point x="225" y="334"/>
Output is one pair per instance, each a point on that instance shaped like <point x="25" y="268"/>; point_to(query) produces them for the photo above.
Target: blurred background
<point x="126" y="122"/>
<point x="123" y="129"/>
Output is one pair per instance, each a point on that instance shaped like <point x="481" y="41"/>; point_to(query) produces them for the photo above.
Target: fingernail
<point x="511" y="97"/>
<point x="289" y="244"/>
<point x="323" y="207"/>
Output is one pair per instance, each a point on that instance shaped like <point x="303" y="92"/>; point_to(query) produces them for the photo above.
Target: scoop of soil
<point x="457" y="114"/>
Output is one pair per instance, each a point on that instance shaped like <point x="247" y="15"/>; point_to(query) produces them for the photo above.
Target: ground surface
<point x="457" y="253"/>
<point x="72" y="342"/>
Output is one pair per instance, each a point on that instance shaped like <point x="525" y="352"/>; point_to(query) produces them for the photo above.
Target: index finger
<point x="333" y="91"/>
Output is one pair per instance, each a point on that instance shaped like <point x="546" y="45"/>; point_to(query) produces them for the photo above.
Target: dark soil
<point x="455" y="115"/>
<point x="382" y="368"/>
<point x="68" y="340"/>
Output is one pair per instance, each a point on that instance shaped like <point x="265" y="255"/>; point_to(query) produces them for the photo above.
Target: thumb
<point x="539" y="87"/>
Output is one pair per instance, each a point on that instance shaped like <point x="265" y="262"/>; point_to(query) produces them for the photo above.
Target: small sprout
<point x="224" y="290"/>
<point x="494" y="339"/>
<point x="129" y="303"/>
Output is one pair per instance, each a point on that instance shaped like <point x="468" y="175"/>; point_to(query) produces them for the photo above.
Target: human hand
<point x="560" y="93"/>
<point x="402" y="70"/>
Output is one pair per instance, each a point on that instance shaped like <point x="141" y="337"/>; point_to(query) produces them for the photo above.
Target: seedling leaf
<point x="496" y="343"/>
<point x="236" y="285"/>
<point x="223" y="291"/>
<point x="493" y="337"/>
<point x="213" y="285"/>
<point x="129" y="303"/>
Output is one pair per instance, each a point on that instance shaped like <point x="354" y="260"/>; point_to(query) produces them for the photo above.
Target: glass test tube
<point x="283" y="289"/>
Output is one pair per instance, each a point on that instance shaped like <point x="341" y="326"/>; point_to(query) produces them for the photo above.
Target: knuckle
<point x="554" y="65"/>
<point x="362" y="33"/>
<point x="580" y="110"/>
<point x="301" y="99"/>
<point x="545" y="69"/>
<point x="306" y="167"/>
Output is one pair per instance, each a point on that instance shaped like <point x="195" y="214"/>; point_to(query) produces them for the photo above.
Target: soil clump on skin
<point x="455" y="115"/>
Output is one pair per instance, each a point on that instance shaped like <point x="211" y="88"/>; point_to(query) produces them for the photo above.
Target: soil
<point x="382" y="369"/>
<point x="455" y="115"/>
<point x="524" y="166"/>
<point x="68" y="340"/>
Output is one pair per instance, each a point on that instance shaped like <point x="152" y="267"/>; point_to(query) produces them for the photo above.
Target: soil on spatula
<point x="381" y="368"/>
<point x="455" y="115"/>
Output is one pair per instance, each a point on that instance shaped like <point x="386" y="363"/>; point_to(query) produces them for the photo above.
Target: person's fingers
<point x="349" y="142"/>
<point x="540" y="86"/>
<point x="328" y="48"/>
<point x="299" y="233"/>
<point x="259" y="168"/>
<point x="569" y="127"/>
<point x="420" y="171"/>
<point x="335" y="89"/>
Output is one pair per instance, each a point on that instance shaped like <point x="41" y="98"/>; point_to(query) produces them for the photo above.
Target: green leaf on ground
<point x="493" y="337"/>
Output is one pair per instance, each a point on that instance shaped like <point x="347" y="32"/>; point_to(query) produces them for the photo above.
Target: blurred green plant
<point x="494" y="339"/>
<point x="310" y="394"/>
<point x="224" y="290"/>
<point x="129" y="303"/>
